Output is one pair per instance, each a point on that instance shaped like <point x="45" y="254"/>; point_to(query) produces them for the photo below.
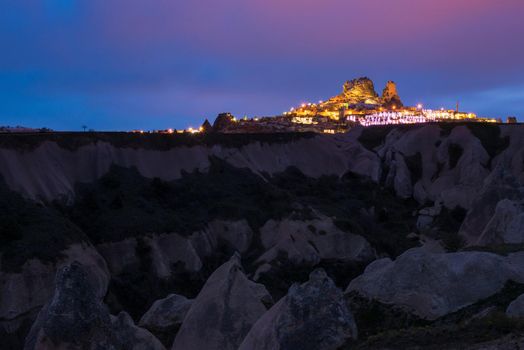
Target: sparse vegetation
<point x="29" y="230"/>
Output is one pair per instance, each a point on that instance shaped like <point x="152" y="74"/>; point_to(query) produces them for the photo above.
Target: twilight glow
<point x="130" y="64"/>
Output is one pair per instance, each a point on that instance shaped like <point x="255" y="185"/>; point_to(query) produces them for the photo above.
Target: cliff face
<point x="453" y="160"/>
<point x="149" y="216"/>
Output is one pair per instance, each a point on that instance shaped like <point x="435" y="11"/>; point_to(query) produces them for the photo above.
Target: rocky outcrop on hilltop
<point x="224" y="310"/>
<point x="206" y="126"/>
<point x="390" y="96"/>
<point x="312" y="315"/>
<point x="76" y="318"/>
<point x="223" y="121"/>
<point x="357" y="91"/>
<point x="361" y="91"/>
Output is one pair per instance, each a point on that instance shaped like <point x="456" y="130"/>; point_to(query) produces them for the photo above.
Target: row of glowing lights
<point x="304" y="105"/>
<point x="189" y="130"/>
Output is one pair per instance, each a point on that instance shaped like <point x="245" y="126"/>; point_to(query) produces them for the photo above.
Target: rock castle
<point x="357" y="104"/>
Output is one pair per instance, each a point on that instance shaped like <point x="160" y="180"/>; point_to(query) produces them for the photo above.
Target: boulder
<point x="309" y="242"/>
<point x="166" y="315"/>
<point x="506" y="225"/>
<point x="313" y="315"/>
<point x="224" y="310"/>
<point x="402" y="182"/>
<point x="433" y="284"/>
<point x="26" y="291"/>
<point x="128" y="336"/>
<point x="499" y="186"/>
<point x="516" y="308"/>
<point x="76" y="318"/>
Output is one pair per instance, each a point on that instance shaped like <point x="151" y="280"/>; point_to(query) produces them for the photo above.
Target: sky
<point x="155" y="64"/>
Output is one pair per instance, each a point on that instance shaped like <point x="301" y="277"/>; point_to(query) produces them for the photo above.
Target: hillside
<point x="418" y="230"/>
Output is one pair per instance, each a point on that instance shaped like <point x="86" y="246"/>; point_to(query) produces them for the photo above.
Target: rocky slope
<point x="151" y="217"/>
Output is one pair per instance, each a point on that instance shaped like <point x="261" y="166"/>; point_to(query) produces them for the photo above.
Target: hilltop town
<point x="357" y="104"/>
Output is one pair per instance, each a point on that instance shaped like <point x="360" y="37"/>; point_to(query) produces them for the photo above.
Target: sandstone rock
<point x="313" y="315"/>
<point x="500" y="185"/>
<point x="164" y="250"/>
<point x="516" y="307"/>
<point x="402" y="181"/>
<point x="424" y="222"/>
<point x="309" y="242"/>
<point x="168" y="249"/>
<point x="223" y="121"/>
<point x="224" y="310"/>
<point x="206" y="126"/>
<point x="235" y="235"/>
<point x="166" y="315"/>
<point x="23" y="293"/>
<point x="50" y="171"/>
<point x="360" y="90"/>
<point x="128" y="336"/>
<point x="431" y="285"/>
<point x="76" y="318"/>
<point x="506" y="225"/>
<point x="390" y="95"/>
<point x="357" y="91"/>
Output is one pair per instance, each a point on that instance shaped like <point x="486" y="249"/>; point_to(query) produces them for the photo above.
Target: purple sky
<point x="129" y="64"/>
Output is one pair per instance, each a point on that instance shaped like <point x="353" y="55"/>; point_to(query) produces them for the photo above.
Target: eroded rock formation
<point x="312" y="315"/>
<point x="390" y="96"/>
<point x="76" y="318"/>
<point x="155" y="217"/>
<point x="165" y="317"/>
<point x="224" y="311"/>
<point x="433" y="284"/>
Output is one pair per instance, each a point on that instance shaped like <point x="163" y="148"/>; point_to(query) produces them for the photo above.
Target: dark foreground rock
<point x="165" y="317"/>
<point x="516" y="308"/>
<point x="312" y="316"/>
<point x="224" y="310"/>
<point x="76" y="318"/>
